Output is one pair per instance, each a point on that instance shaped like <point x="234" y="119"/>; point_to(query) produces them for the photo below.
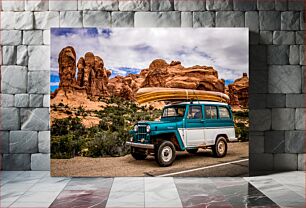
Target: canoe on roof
<point x="149" y="94"/>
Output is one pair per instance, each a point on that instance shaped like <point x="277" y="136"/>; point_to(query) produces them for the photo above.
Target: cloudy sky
<point x="128" y="50"/>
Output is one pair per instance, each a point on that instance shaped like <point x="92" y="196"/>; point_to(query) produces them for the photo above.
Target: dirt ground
<point x="128" y="166"/>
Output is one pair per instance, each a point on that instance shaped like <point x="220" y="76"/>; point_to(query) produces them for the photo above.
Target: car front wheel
<point x="220" y="148"/>
<point x="165" y="154"/>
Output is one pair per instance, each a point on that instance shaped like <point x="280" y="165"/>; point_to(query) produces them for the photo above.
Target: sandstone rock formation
<point x="238" y="91"/>
<point x="66" y="61"/>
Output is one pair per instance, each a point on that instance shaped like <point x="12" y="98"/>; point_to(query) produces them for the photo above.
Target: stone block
<point x="46" y="37"/>
<point x="11" y="37"/>
<point x="16" y="162"/>
<point x="71" y="19"/>
<point x="245" y="5"/>
<point x="6" y="100"/>
<point x="283" y="118"/>
<point x="63" y="5"/>
<point x="266" y="37"/>
<point x="258" y="57"/>
<point x="36" y="5"/>
<point x="301" y="162"/>
<point x="302" y="55"/>
<point x="283" y="37"/>
<point x="10" y="118"/>
<point x="36" y="100"/>
<point x="295" y="100"/>
<point x="256" y="143"/>
<point x="39" y="82"/>
<point x="229" y="19"/>
<point x="276" y="100"/>
<point x="134" y="5"/>
<point x="251" y="21"/>
<point x="302" y="20"/>
<point x="162" y="5"/>
<point x="285" y="79"/>
<point x="185" y="6"/>
<point x="7" y="20"/>
<point x="303" y="79"/>
<point x="22" y="100"/>
<point x="186" y="19"/>
<point x="23" y="142"/>
<point x="258" y="81"/>
<point x="300" y="119"/>
<point x="4" y="141"/>
<point x="281" y="5"/>
<point x="260" y="162"/>
<point x="294" y="54"/>
<point x="265" y="5"/>
<point x="13" y="79"/>
<point x="110" y="5"/>
<point x="294" y="141"/>
<point x="299" y="37"/>
<point x="257" y="101"/>
<point x="96" y="19"/>
<point x="215" y="5"/>
<point x="274" y="141"/>
<point x="40" y="162"/>
<point x="45" y="20"/>
<point x="269" y="20"/>
<point x="290" y="21"/>
<point x="39" y="58"/>
<point x="46" y="101"/>
<point x="44" y="141"/>
<point x="32" y="37"/>
<point x="22" y="55"/>
<point x="36" y="119"/>
<point x="9" y="55"/>
<point x="278" y="54"/>
<point x="122" y="19"/>
<point x="203" y="19"/>
<point x="157" y="19"/>
<point x="285" y="162"/>
<point x="296" y="5"/>
<point x="13" y="5"/>
<point x="260" y="119"/>
<point x="24" y="20"/>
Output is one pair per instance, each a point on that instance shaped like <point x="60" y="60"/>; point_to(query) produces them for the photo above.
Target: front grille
<point x="142" y="131"/>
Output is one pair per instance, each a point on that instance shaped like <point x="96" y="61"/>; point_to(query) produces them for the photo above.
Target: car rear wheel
<point x="165" y="154"/>
<point x="192" y="151"/>
<point x="138" y="155"/>
<point x="220" y="148"/>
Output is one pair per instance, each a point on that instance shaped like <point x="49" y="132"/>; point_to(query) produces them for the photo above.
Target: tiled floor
<point x="38" y="189"/>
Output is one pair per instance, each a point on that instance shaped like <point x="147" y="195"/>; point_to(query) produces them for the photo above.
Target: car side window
<point x="211" y="112"/>
<point x="224" y="113"/>
<point x="195" y="112"/>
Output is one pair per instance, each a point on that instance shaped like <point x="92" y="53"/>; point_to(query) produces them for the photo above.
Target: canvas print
<point x="149" y="101"/>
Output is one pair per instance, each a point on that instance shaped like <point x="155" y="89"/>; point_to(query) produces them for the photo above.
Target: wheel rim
<point x="221" y="147"/>
<point x="166" y="154"/>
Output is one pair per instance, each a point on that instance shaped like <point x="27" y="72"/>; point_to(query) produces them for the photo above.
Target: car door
<point x="211" y="124"/>
<point x="194" y="128"/>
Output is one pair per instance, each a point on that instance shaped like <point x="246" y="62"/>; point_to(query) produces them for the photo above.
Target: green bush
<point x="65" y="147"/>
<point x="242" y="132"/>
<point x="67" y="125"/>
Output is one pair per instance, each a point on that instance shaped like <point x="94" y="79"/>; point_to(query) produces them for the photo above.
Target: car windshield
<point x="174" y="111"/>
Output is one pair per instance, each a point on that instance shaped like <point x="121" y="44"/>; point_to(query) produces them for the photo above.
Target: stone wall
<point x="276" y="68"/>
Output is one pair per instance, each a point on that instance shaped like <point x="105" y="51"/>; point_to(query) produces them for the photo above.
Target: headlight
<point x="148" y="129"/>
<point x="135" y="128"/>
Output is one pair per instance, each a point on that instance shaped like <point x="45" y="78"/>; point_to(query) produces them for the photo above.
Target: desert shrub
<point x="242" y="132"/>
<point x="67" y="125"/>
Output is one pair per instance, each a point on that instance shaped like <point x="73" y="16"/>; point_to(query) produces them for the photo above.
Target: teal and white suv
<point x="184" y="126"/>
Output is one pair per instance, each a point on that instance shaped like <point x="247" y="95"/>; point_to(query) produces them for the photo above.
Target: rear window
<point x="224" y="113"/>
<point x="211" y="112"/>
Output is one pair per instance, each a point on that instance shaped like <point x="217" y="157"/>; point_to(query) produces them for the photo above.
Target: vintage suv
<point x="184" y="126"/>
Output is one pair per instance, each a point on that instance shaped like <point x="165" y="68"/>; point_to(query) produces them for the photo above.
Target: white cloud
<point x="226" y="49"/>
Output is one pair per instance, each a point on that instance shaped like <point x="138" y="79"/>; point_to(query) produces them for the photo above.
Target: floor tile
<point x="89" y="184"/>
<point x="126" y="200"/>
<point x="128" y="184"/>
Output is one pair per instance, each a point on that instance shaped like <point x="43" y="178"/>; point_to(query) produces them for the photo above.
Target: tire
<point x="138" y="155"/>
<point x="192" y="151"/>
<point x="165" y="154"/>
<point x="220" y="148"/>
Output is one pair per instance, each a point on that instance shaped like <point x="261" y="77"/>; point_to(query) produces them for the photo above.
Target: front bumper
<point x="139" y="145"/>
